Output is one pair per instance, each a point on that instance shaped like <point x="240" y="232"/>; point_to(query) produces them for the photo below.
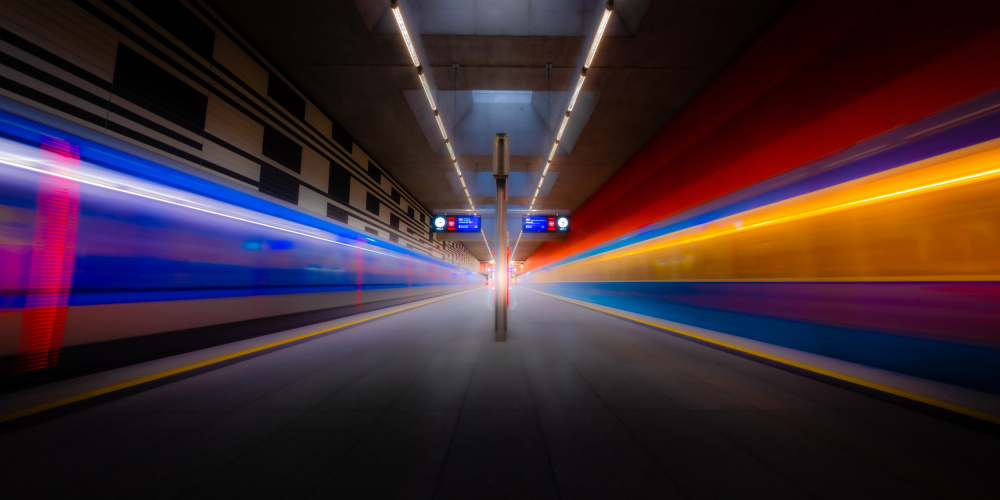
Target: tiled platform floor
<point x="424" y="404"/>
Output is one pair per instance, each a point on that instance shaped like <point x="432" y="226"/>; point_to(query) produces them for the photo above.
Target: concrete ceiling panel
<point x="349" y="60"/>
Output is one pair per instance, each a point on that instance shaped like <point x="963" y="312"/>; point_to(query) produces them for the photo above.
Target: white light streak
<point x="165" y="198"/>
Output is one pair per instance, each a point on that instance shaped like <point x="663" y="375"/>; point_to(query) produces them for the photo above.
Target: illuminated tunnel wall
<point x="833" y="191"/>
<point x="174" y="78"/>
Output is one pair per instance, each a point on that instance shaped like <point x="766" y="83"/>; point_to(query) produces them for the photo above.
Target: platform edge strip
<point x="895" y="391"/>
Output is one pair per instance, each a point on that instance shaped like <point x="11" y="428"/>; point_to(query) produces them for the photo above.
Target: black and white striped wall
<point x="173" y="77"/>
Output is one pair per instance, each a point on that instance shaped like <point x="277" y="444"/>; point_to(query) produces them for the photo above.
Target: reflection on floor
<point x="423" y="404"/>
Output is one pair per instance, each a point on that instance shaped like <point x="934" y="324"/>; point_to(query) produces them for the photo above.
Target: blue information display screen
<point x="456" y="223"/>
<point x="545" y="224"/>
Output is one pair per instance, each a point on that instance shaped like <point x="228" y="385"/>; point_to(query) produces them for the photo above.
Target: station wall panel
<point x="173" y="77"/>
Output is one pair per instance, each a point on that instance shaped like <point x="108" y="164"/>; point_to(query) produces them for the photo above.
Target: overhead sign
<point x="456" y="223"/>
<point x="545" y="223"/>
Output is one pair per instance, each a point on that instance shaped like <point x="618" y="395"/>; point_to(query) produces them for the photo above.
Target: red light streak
<point x="51" y="273"/>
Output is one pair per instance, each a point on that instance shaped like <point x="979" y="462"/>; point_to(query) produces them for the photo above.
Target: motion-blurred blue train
<point x="107" y="258"/>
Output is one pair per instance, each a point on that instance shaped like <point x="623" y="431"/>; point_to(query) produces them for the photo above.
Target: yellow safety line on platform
<point x="847" y="378"/>
<point x="149" y="378"/>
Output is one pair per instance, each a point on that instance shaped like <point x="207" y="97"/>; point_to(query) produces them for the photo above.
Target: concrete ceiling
<point x="347" y="56"/>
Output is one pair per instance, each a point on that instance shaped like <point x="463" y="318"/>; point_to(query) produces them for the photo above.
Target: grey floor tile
<point x="914" y="461"/>
<point x="308" y="391"/>
<point x="758" y="394"/>
<point x="401" y="456"/>
<point x="621" y="389"/>
<point x="827" y="395"/>
<point x="497" y="454"/>
<point x="688" y="392"/>
<point x="179" y="465"/>
<point x="64" y="467"/>
<point x="813" y="465"/>
<point x="28" y="442"/>
<point x="499" y="386"/>
<point x="557" y="385"/>
<point x="594" y="456"/>
<point x="440" y="386"/>
<point x="701" y="461"/>
<point x="292" y="462"/>
<point x="375" y="390"/>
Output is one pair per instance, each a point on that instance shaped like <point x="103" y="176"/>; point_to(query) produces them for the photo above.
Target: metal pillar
<point x="501" y="168"/>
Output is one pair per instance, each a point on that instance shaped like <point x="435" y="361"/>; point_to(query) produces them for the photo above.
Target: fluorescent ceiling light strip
<point x="487" y="246"/>
<point x="406" y="34"/>
<point x="562" y="127"/>
<point x="437" y="116"/>
<point x="450" y="150"/>
<point x="597" y="37"/>
<point x="536" y="192"/>
<point x="553" y="152"/>
<point x="457" y="169"/>
<point x="466" y="193"/>
<point x="463" y="182"/>
<point x="546" y="168"/>
<point x="576" y="91"/>
<point x="427" y="88"/>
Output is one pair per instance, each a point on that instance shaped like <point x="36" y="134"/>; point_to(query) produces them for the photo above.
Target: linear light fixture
<point x="562" y="127"/>
<point x="398" y="14"/>
<point x="552" y="153"/>
<point x="427" y="87"/>
<point x="437" y="116"/>
<point x="600" y="32"/>
<point x="406" y="34"/>
<point x="463" y="181"/>
<point x="487" y="245"/>
<point x="546" y="168"/>
<point x="576" y="91"/>
<point x="541" y="181"/>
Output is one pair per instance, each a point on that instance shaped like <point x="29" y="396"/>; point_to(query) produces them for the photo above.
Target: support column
<point x="501" y="169"/>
